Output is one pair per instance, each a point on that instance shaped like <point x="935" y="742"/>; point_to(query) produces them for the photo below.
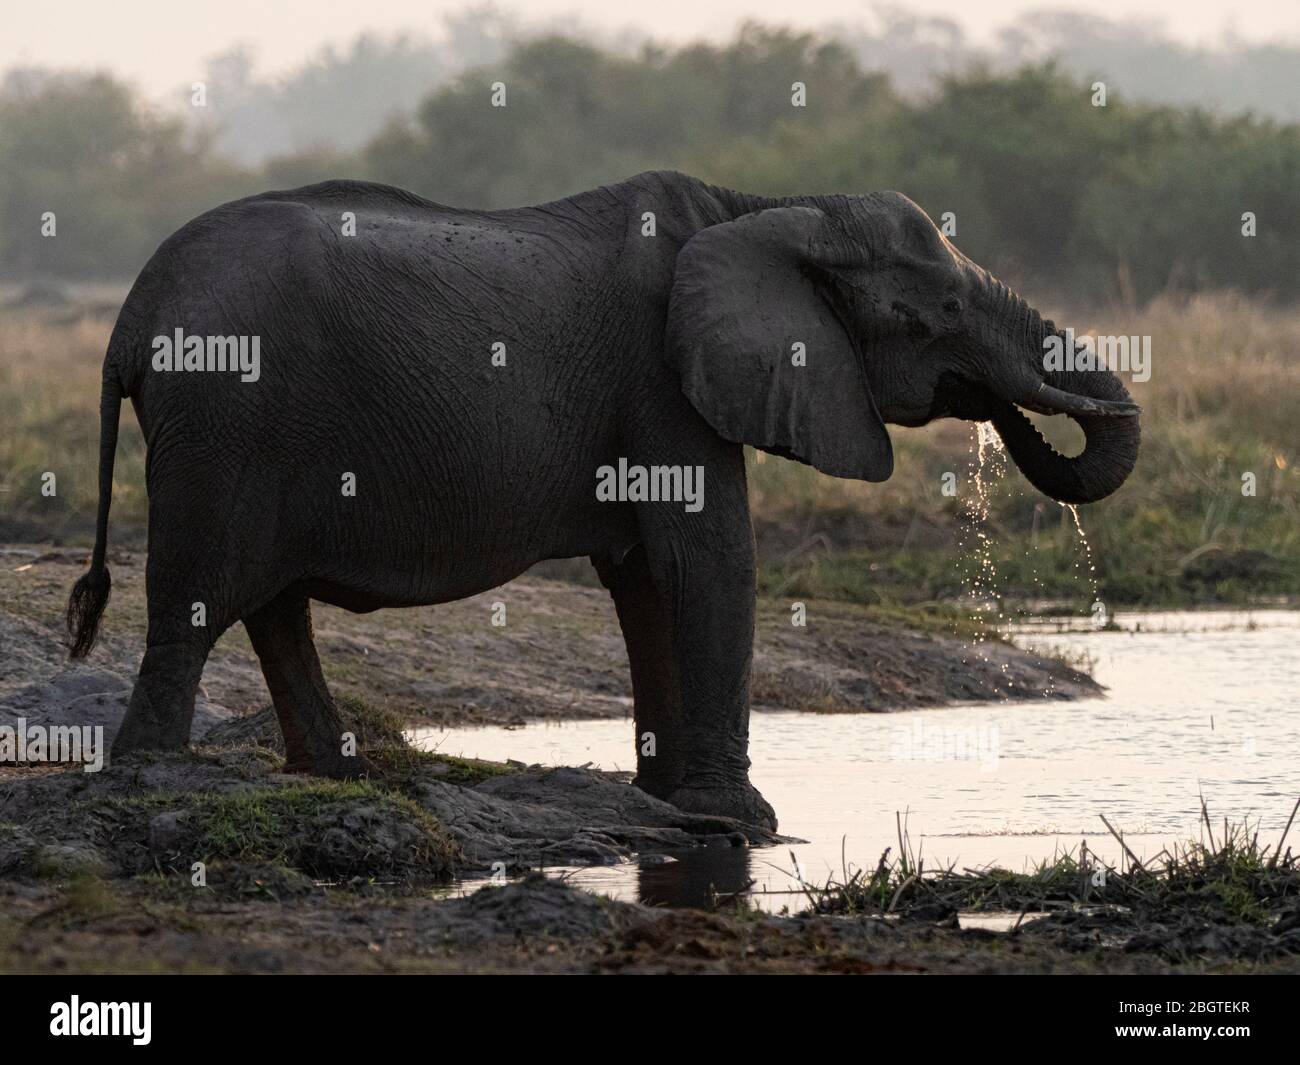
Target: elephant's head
<point x="896" y="325"/>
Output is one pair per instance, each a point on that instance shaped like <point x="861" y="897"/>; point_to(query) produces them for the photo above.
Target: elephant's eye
<point x="952" y="305"/>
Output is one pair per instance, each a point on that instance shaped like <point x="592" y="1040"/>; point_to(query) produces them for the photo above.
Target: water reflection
<point x="695" y="878"/>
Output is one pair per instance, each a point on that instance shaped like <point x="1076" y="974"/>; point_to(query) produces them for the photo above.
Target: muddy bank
<point x="145" y="863"/>
<point x="419" y="819"/>
<point x="214" y="860"/>
<point x="536" y="925"/>
<point x="559" y="656"/>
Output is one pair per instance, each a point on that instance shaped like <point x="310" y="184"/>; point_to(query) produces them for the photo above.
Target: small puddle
<point x="998" y="922"/>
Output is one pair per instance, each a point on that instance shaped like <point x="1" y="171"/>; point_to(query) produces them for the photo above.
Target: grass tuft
<point x="1223" y="878"/>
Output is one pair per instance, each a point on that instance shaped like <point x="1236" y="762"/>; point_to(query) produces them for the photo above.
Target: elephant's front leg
<point x="703" y="562"/>
<point x="648" y="632"/>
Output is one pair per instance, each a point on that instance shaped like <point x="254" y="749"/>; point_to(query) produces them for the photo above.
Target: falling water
<point x="975" y="546"/>
<point x="1087" y="551"/>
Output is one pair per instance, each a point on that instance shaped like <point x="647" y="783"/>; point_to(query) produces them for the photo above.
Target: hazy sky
<point x="160" y="44"/>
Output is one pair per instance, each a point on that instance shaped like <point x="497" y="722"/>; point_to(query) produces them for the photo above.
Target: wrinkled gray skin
<point x="666" y="349"/>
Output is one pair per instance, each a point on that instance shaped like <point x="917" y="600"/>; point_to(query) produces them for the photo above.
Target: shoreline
<point x="560" y="655"/>
<point x="300" y="874"/>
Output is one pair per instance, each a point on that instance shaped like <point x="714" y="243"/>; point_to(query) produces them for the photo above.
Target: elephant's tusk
<point x="1049" y="400"/>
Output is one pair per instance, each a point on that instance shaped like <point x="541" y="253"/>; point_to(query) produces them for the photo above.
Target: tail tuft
<point x="90" y="594"/>
<point x="85" y="608"/>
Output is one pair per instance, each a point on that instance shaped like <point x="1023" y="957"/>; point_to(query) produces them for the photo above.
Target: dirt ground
<point x="535" y="925"/>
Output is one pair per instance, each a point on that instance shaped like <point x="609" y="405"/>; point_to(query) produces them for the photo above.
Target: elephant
<point x="427" y="401"/>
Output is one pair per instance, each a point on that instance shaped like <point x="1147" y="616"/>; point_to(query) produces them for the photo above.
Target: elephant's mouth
<point x="1109" y="423"/>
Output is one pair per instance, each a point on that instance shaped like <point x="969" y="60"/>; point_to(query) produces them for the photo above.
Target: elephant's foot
<point x="314" y="734"/>
<point x="336" y="766"/>
<point x="141" y="741"/>
<point x="659" y="784"/>
<point x="741" y="802"/>
<point x="142" y="732"/>
<point x="161" y="707"/>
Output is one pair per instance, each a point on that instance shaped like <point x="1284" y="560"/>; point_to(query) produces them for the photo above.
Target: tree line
<point x="1038" y="181"/>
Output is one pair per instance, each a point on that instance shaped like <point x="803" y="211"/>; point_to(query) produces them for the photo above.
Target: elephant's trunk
<point x="1096" y="399"/>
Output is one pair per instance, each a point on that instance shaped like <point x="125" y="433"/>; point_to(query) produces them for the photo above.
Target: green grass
<point x="87" y="895"/>
<point x="271" y="826"/>
<point x="328" y="829"/>
<point x="408" y="765"/>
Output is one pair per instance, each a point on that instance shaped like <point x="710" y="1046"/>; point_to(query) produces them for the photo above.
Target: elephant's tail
<point x="90" y="594"/>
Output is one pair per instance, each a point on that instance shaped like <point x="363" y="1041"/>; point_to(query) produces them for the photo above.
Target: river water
<point x="1198" y="704"/>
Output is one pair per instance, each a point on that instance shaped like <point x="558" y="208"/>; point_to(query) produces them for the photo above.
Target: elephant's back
<point x="350" y="268"/>
<point x="423" y="346"/>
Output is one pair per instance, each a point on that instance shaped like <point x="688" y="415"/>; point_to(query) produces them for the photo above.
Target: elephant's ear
<point x="743" y="297"/>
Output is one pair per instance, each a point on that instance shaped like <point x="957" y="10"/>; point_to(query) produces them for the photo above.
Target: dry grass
<point x="49" y="404"/>
<point x="1223" y="399"/>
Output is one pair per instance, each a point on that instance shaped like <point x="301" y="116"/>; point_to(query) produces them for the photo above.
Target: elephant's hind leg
<point x="281" y="634"/>
<point x="647" y="631"/>
<point x="161" y="711"/>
